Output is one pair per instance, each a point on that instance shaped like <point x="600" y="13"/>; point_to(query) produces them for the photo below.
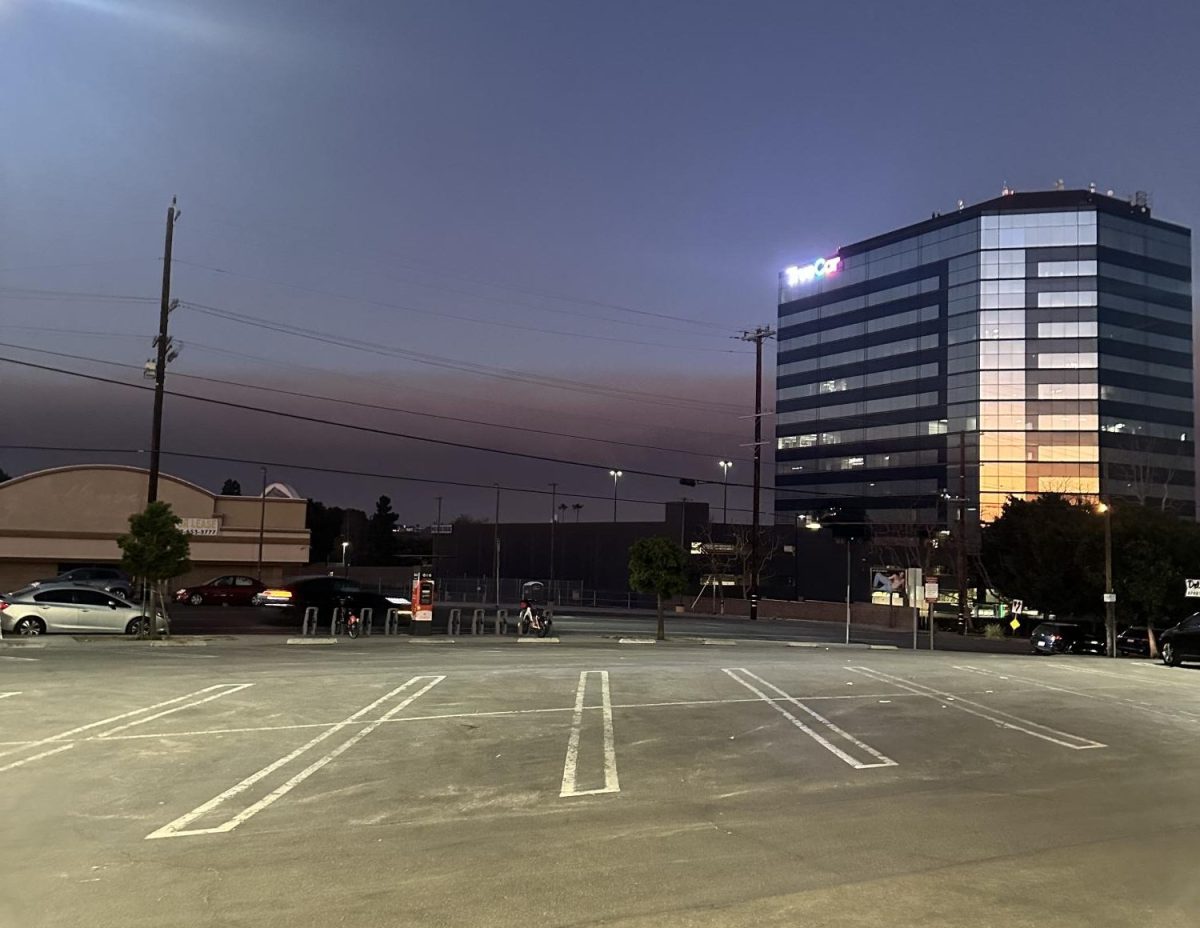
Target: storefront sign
<point x="201" y="526"/>
<point x="822" y="267"/>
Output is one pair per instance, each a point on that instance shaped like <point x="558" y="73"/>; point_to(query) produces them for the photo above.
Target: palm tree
<point x="562" y="512"/>
<point x="577" y="507"/>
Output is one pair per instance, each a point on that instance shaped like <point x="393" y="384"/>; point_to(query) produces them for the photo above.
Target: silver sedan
<point x="64" y="607"/>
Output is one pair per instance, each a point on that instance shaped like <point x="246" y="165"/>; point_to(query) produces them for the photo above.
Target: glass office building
<point x="1038" y="342"/>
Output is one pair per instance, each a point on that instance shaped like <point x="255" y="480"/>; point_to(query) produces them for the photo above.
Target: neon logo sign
<point x="822" y="267"/>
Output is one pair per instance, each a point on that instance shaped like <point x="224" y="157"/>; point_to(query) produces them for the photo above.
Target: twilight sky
<point x="553" y="215"/>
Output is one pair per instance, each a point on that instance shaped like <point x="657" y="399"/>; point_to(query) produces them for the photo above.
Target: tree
<point x="381" y="532"/>
<point x="155" y="550"/>
<point x="231" y="488"/>
<point x="743" y="550"/>
<point x="659" y="566"/>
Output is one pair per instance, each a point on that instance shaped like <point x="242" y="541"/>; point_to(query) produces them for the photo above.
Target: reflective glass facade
<point x="1035" y="343"/>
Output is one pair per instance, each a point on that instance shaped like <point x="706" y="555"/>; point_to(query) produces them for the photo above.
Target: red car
<point x="221" y="591"/>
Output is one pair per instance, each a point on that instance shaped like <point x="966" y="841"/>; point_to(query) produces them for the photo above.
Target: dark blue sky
<point x="373" y="169"/>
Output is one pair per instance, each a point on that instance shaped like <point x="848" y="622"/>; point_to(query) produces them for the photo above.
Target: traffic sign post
<point x="1191" y="589"/>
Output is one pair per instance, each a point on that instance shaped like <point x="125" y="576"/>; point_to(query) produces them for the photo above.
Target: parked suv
<point x="1068" y="638"/>
<point x="108" y="579"/>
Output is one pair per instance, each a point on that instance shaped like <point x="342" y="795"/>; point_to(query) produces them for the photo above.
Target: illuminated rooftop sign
<point x="822" y="267"/>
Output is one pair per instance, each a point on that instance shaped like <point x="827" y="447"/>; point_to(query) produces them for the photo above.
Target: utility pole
<point x="758" y="336"/>
<point x="162" y="342"/>
<point x="553" y="526"/>
<point x="1110" y="598"/>
<point x="262" y="520"/>
<point x="496" y="545"/>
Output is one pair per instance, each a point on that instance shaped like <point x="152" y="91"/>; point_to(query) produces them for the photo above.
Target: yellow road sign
<point x="1014" y="624"/>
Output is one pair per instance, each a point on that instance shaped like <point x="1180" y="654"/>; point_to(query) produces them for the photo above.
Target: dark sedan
<point x="221" y="591"/>
<point x="1181" y="643"/>
<point x="1067" y="638"/>
<point x="328" y="593"/>
<point x="1135" y="641"/>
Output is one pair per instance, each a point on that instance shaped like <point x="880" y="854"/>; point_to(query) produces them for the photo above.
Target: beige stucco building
<point x="52" y="520"/>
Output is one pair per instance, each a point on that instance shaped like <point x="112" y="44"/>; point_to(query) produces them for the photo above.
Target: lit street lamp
<point x="345" y="562"/>
<point x="725" y="465"/>
<point x="616" y="475"/>
<point x="1110" y="598"/>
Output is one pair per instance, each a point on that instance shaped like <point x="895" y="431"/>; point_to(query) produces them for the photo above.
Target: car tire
<point x="1170" y="656"/>
<point x="196" y="599"/>
<point x="137" y="626"/>
<point x="29" y="626"/>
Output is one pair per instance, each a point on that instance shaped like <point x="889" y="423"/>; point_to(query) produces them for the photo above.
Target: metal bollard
<point x="454" y="626"/>
<point x="337" y="620"/>
<point x="501" y="621"/>
<point x="310" y="621"/>
<point x="366" y="618"/>
<point x="391" y="622"/>
<point x="477" y="622"/>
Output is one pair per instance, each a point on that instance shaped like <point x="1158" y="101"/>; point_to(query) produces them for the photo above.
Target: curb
<point x="17" y="645"/>
<point x="538" y="641"/>
<point x="311" y="641"/>
<point x="636" y="641"/>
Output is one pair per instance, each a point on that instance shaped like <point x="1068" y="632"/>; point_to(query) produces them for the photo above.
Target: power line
<point x="441" y="314"/>
<point x="286" y="465"/>
<point x="316" y="420"/>
<point x="360" y="404"/>
<point x="446" y="363"/>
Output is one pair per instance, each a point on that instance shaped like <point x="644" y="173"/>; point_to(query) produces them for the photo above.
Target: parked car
<point x="1068" y="638"/>
<point x="1136" y="641"/>
<point x="326" y="594"/>
<point x="108" y="579"/>
<point x="1181" y="643"/>
<point x="65" y="607"/>
<point x="221" y="591"/>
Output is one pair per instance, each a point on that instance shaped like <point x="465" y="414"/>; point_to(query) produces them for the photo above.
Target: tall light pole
<point x="1110" y="598"/>
<point x="553" y="526"/>
<point x="262" y="520"/>
<point x="616" y="475"/>
<point x="345" y="559"/>
<point x="725" y="465"/>
<point x="496" y="545"/>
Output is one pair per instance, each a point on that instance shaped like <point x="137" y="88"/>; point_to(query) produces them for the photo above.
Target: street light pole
<point x="848" y="543"/>
<point x="1110" y="598"/>
<point x="553" y="526"/>
<point x="262" y="521"/>
<point x="496" y="545"/>
<point x="725" y="465"/>
<point x="345" y="559"/>
<point x="616" y="475"/>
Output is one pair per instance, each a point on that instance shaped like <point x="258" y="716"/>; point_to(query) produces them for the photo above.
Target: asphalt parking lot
<point x="404" y="782"/>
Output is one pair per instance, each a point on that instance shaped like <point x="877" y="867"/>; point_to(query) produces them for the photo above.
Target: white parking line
<point x="882" y="760"/>
<point x="62" y="736"/>
<point x="1178" y="714"/>
<point x="6" y="695"/>
<point x="28" y="760"/>
<point x="232" y="688"/>
<point x="178" y="828"/>
<point x="9" y="657"/>
<point x="570" y="786"/>
<point x="1003" y="719"/>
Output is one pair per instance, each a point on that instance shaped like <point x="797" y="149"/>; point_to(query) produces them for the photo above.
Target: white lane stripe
<point x="8" y="657"/>
<point x="5" y="695"/>
<point x="1001" y="718"/>
<point x="816" y="736"/>
<point x="495" y="713"/>
<point x="177" y="828"/>
<point x="1178" y="714"/>
<point x="233" y="688"/>
<point x="115" y="718"/>
<point x="612" y="784"/>
<point x="884" y="761"/>
<point x="28" y="760"/>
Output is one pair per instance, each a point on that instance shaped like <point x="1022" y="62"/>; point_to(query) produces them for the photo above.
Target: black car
<point x="1181" y="643"/>
<point x="1068" y="638"/>
<point x="1136" y="641"/>
<point x="328" y="593"/>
